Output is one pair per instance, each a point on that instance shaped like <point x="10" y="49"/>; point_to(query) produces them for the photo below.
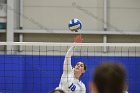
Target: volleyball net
<point x="36" y="67"/>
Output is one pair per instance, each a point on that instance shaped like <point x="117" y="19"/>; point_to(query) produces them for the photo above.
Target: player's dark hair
<point x="109" y="78"/>
<point x="85" y="66"/>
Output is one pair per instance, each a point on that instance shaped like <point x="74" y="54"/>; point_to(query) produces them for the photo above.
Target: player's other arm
<point x="84" y="89"/>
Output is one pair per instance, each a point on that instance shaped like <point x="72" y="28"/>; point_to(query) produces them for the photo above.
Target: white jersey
<point x="68" y="82"/>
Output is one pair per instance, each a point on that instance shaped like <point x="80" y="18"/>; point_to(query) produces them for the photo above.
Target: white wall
<point x="55" y="14"/>
<point x="125" y="14"/>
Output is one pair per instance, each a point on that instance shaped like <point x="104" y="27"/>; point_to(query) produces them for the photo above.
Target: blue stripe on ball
<point x="75" y="24"/>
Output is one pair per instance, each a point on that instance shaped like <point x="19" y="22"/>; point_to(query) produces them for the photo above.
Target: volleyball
<point x="75" y="25"/>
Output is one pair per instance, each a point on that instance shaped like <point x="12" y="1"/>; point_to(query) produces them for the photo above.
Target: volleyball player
<point x="70" y="79"/>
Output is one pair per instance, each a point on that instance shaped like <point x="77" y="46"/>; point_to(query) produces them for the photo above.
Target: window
<point x="2" y="25"/>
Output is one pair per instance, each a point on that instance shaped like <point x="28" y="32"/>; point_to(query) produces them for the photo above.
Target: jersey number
<point x="72" y="87"/>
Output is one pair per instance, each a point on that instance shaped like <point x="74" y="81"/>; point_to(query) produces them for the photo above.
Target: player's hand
<point x="78" y="39"/>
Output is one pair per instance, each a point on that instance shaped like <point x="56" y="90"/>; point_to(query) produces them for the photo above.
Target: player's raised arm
<point x="67" y="62"/>
<point x="67" y="67"/>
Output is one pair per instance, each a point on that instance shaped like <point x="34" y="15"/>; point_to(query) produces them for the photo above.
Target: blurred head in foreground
<point x="108" y="78"/>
